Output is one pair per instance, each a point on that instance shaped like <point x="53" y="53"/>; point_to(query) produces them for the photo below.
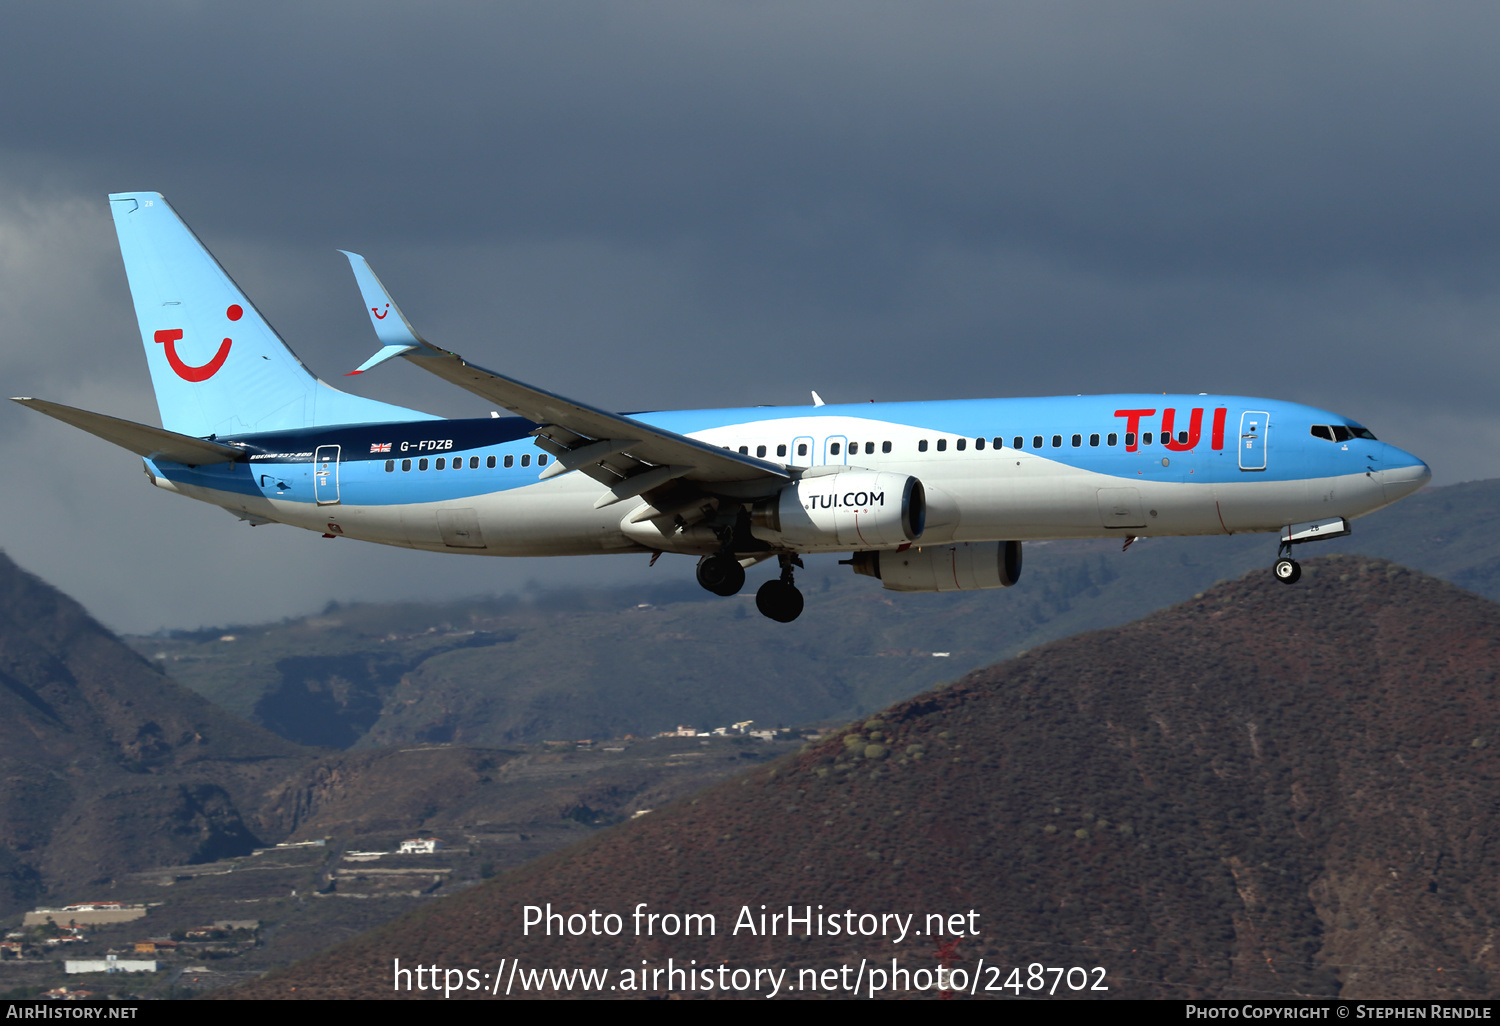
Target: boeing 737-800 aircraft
<point x="926" y="496"/>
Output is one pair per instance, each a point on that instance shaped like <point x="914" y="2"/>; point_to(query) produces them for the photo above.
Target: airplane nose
<point x="1397" y="482"/>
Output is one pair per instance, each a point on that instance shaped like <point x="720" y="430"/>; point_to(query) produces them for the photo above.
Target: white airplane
<point x="926" y="496"/>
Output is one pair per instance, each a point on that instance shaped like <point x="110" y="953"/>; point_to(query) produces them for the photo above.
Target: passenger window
<point x="1113" y="439"/>
<point x="922" y="445"/>
<point x="802" y="449"/>
<point x="760" y="451"/>
<point x="834" y="449"/>
<point x="526" y="459"/>
<point x="1341" y="433"/>
<point x="1018" y="442"/>
<point x="510" y="461"/>
<point x="1146" y="438"/>
<point x="744" y="450"/>
<point x="390" y="465"/>
<point x="474" y="462"/>
<point x="942" y="445"/>
<point x="1077" y="441"/>
<point x="869" y="448"/>
<point x="405" y="466"/>
<point x="1057" y="441"/>
<point x="442" y="463"/>
<point x="1129" y="439"/>
<point x="885" y="446"/>
<point x="489" y="461"/>
<point x="1322" y="431"/>
<point x="1036" y="441"/>
<point x="422" y="463"/>
<point x="961" y="444"/>
<point x="1182" y="438"/>
<point x="1093" y="440"/>
<point x="978" y="443"/>
<point x="999" y="442"/>
<point x="781" y="450"/>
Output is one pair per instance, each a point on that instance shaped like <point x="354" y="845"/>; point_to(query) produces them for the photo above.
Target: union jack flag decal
<point x="380" y="447"/>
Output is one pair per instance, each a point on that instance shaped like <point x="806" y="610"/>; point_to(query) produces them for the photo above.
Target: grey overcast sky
<point x="663" y="204"/>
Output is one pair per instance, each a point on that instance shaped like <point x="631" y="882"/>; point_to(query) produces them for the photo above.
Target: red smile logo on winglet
<point x="169" y="337"/>
<point x="380" y="314"/>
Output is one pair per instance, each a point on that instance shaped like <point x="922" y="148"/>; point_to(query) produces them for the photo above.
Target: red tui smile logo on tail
<point x="169" y="337"/>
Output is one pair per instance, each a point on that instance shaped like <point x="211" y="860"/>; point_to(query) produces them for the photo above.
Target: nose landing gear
<point x="779" y="598"/>
<point x="1287" y="569"/>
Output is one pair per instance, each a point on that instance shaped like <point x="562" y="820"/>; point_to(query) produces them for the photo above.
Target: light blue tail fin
<point x="216" y="365"/>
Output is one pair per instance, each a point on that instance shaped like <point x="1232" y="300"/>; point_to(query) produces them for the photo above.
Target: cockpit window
<point x="1341" y="432"/>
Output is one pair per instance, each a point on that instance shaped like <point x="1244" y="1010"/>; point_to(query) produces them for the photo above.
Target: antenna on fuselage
<point x="818" y="400"/>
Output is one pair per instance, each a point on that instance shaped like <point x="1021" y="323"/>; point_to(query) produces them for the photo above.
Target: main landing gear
<point x="1287" y="570"/>
<point x="779" y="598"/>
<point x="721" y="574"/>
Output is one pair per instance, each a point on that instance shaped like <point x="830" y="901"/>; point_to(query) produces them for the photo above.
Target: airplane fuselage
<point x="993" y="469"/>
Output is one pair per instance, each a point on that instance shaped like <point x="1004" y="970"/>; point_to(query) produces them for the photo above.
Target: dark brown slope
<point x="1263" y="791"/>
<point x="107" y="765"/>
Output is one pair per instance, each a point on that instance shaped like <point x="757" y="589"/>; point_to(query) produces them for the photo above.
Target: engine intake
<point x="838" y="512"/>
<point x="967" y="566"/>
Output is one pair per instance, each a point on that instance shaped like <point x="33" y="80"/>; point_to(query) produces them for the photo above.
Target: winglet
<point x="818" y="400"/>
<point x="390" y="324"/>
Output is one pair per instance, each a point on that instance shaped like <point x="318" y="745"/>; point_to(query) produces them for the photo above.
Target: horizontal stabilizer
<point x="141" y="439"/>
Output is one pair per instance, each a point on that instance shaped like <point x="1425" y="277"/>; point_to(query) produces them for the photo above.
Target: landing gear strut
<point x="779" y="598"/>
<point x="721" y="574"/>
<point x="1286" y="569"/>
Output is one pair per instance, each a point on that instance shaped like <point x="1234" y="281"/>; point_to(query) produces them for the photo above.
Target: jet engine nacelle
<point x="855" y="509"/>
<point x="967" y="566"/>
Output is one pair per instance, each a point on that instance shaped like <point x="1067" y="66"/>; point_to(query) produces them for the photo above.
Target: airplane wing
<point x="629" y="457"/>
<point x="141" y="439"/>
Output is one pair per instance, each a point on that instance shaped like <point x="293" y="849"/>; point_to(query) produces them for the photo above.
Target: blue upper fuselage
<point x="1114" y="435"/>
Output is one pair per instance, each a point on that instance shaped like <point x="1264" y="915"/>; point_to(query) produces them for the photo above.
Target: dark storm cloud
<point x="1277" y="137"/>
<point x="661" y="205"/>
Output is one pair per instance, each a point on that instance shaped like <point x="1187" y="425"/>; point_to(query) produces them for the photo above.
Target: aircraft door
<point x="326" y="475"/>
<point x="802" y="451"/>
<point x="1253" y="427"/>
<point x="835" y="450"/>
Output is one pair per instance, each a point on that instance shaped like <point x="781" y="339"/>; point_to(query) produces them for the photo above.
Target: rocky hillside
<point x="1263" y="791"/>
<point x="108" y="765"/>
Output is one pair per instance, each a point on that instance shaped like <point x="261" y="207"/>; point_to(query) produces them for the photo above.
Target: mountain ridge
<point x="1259" y="792"/>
